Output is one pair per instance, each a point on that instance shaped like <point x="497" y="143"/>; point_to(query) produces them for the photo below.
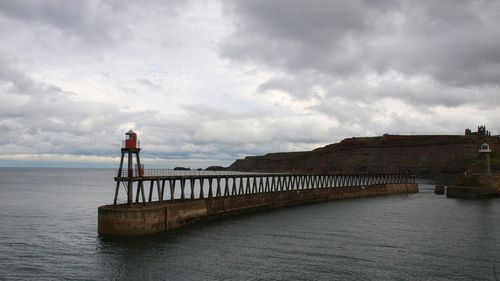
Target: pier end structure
<point x="130" y="148"/>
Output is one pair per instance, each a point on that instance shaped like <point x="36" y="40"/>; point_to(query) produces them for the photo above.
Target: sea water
<point x="48" y="231"/>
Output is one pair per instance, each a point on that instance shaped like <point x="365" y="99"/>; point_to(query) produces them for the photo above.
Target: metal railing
<point x="168" y="173"/>
<point x="171" y="185"/>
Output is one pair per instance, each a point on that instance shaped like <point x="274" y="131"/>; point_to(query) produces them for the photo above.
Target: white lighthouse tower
<point x="485" y="151"/>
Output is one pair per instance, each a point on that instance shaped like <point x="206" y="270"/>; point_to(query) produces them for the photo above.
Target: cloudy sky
<point x="206" y="82"/>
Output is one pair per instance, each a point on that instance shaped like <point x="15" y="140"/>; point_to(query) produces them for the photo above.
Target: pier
<point x="162" y="200"/>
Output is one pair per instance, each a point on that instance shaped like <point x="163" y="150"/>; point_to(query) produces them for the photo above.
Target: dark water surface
<point x="48" y="231"/>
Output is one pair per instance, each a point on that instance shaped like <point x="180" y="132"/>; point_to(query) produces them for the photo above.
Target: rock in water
<point x="439" y="189"/>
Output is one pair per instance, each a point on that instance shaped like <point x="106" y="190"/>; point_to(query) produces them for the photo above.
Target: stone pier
<point x="152" y="217"/>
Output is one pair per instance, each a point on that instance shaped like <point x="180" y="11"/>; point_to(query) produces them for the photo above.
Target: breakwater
<point x="235" y="194"/>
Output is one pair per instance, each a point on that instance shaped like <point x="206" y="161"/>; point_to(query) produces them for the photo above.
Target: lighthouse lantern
<point x="130" y="139"/>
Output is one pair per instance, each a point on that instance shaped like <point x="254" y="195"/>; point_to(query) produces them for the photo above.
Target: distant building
<point x="481" y="131"/>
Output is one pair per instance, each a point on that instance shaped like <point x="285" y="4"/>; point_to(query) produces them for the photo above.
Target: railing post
<point x="218" y="191"/>
<point x="226" y="186"/>
<point x="116" y="192"/>
<point x="151" y="191"/>
<point x="183" y="185"/>
<point x="191" y="181"/>
<point x="210" y="193"/>
<point x="202" y="180"/>
<point x="233" y="189"/>
<point x="241" y="190"/>
<point x="172" y="189"/>
<point x="137" y="193"/>
<point x="254" y="185"/>
<point x="247" y="189"/>
<point x="158" y="189"/>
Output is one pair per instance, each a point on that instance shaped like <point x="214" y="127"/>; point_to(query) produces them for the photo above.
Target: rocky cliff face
<point x="421" y="155"/>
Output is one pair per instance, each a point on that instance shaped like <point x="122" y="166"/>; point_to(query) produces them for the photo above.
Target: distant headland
<point x="423" y="155"/>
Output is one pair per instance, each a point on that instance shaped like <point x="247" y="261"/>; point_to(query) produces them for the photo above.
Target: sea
<point x="48" y="231"/>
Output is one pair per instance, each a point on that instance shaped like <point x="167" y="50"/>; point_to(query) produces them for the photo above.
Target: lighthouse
<point x="131" y="149"/>
<point x="485" y="151"/>
<point x="130" y="140"/>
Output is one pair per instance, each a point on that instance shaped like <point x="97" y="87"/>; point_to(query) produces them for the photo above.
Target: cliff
<point x="421" y="155"/>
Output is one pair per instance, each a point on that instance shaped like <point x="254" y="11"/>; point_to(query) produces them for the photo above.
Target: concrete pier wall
<point x="153" y="218"/>
<point x="475" y="186"/>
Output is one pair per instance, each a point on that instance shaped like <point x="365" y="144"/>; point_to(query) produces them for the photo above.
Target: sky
<point x="207" y="82"/>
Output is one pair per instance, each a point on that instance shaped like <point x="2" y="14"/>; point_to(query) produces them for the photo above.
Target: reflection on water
<point x="48" y="232"/>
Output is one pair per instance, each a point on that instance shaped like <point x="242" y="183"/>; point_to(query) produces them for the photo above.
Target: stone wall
<point x="491" y="181"/>
<point x="475" y="186"/>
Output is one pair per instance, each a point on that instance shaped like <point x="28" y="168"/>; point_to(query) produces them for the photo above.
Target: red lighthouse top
<point x="130" y="140"/>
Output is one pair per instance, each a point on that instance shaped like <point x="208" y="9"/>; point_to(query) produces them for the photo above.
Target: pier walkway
<point x="168" y="185"/>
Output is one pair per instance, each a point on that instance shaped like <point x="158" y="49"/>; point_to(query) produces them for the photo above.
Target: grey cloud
<point x="455" y="43"/>
<point x="452" y="43"/>
<point x="88" y="20"/>
<point x="46" y="120"/>
<point x="322" y="53"/>
<point x="147" y="82"/>
<point x="347" y="112"/>
<point x="307" y="22"/>
<point x="16" y="81"/>
<point x="301" y="35"/>
<point x="297" y="88"/>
